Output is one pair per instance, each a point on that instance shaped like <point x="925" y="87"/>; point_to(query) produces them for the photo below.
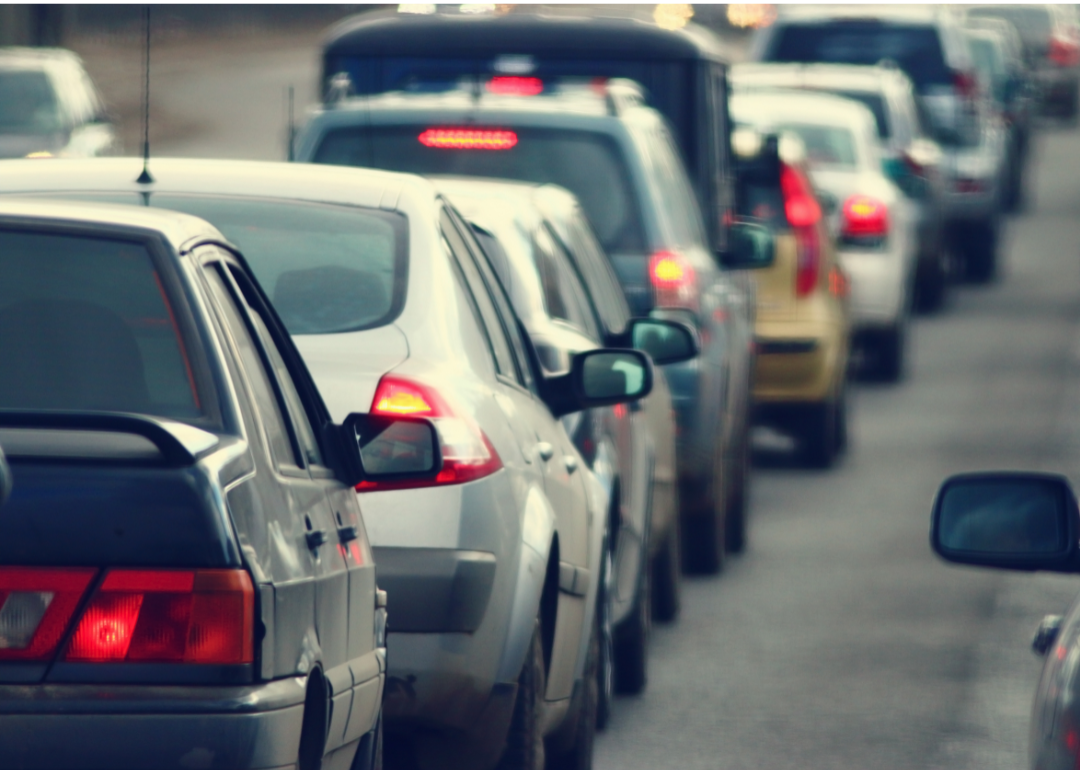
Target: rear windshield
<point x="589" y="165"/>
<point x="27" y="103"/>
<point x="876" y="104"/>
<point x="916" y="49"/>
<point x="86" y="325"/>
<point x="325" y="268"/>
<point x="825" y="145"/>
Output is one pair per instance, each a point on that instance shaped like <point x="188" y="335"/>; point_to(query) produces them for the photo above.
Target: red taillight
<point x="673" y="280"/>
<point x="467" y="453"/>
<point x="515" y="85"/>
<point x="36" y="606"/>
<point x="1063" y="52"/>
<point x="168" y="616"/>
<point x="468" y="139"/>
<point x="863" y="217"/>
<point x="803" y="214"/>
<point x="966" y="84"/>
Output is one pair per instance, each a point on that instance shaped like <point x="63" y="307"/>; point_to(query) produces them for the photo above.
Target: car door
<point x="311" y="581"/>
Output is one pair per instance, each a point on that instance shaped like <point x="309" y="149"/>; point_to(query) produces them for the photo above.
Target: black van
<point x="683" y="71"/>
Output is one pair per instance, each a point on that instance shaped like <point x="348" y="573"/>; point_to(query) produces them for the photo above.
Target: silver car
<point x="494" y="565"/>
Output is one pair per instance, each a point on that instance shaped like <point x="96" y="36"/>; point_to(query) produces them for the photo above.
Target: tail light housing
<point x="36" y="608"/>
<point x="966" y="85"/>
<point x="864" y="221"/>
<point x="1063" y="52"/>
<point x="168" y="616"/>
<point x="803" y="214"/>
<point x="467" y="453"/>
<point x="673" y="280"/>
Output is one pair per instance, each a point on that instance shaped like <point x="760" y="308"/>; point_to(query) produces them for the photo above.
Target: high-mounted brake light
<point x="168" y="616"/>
<point x="36" y="606"/>
<point x="468" y="139"/>
<point x="864" y="218"/>
<point x="467" y="453"/>
<point x="673" y="280"/>
<point x="803" y="214"/>
<point x="515" y="85"/>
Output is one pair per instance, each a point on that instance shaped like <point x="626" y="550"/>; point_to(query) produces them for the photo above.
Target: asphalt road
<point x="838" y="640"/>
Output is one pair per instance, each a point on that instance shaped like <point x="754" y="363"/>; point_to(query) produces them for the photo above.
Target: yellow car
<point x="802" y="329"/>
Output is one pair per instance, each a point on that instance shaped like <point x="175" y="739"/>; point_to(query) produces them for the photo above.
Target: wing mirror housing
<point x="5" y="479"/>
<point x="391" y="448"/>
<point x="600" y="377"/>
<point x="751" y="247"/>
<point x="666" y="342"/>
<point x="1007" y="520"/>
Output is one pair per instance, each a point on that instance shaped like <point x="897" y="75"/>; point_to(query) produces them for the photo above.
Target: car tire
<point x="818" y="438"/>
<point x="703" y="531"/>
<point x="667" y="579"/>
<point x="574" y="751"/>
<point x="605" y="670"/>
<point x="631" y="637"/>
<point x="369" y="755"/>
<point x="525" y="739"/>
<point x="980" y="244"/>
<point x="931" y="284"/>
<point x="890" y="353"/>
<point x="735" y="519"/>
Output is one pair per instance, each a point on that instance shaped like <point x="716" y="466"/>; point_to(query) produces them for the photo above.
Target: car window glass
<point x="89" y="324"/>
<point x="574" y="293"/>
<point x="28" y="103"/>
<point x="271" y="416"/>
<point x="304" y="431"/>
<point x="685" y="200"/>
<point x="599" y="275"/>
<point x="500" y="347"/>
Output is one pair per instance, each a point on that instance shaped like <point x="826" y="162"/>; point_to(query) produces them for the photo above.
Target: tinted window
<point x="28" y="103"/>
<point x="597" y="272"/>
<point x="87" y="324"/>
<point x="917" y="49"/>
<point x="326" y="268"/>
<point x="589" y="165"/>
<point x="876" y="104"/>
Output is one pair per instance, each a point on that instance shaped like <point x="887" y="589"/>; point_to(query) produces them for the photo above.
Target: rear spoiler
<point x="24" y="434"/>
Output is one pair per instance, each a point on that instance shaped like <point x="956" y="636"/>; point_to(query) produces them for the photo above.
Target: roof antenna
<point x="144" y="177"/>
<point x="290" y="131"/>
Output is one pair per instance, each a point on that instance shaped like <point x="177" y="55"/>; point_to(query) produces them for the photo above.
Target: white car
<point x="874" y="224"/>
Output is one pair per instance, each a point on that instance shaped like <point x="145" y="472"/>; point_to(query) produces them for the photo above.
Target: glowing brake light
<point x="673" y="280"/>
<point x="514" y="85"/>
<point x="863" y="217"/>
<point x="467" y="453"/>
<point x="468" y="139"/>
<point x="168" y="616"/>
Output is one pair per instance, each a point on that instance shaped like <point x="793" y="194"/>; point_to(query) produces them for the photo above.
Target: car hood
<point x="21" y="145"/>
<point x="347" y="367"/>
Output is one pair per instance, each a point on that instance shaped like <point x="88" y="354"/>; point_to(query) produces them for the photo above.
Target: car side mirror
<point x="751" y="247"/>
<point x="666" y="342"/>
<point x="600" y="377"/>
<point x="388" y="449"/>
<point x="5" y="479"/>
<point x="1021" y="521"/>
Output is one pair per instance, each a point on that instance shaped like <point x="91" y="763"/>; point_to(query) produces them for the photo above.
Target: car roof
<point x="547" y="199"/>
<point x="176" y="227"/>
<point x="885" y="13"/>
<point x="17" y="57"/>
<point x="257" y="179"/>
<point x="480" y="35"/>
<point x="818" y="107"/>
<point x="852" y="77"/>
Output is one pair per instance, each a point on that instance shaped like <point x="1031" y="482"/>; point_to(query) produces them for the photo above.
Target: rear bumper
<point x="136" y="727"/>
<point x="798" y="362"/>
<point x="435" y="590"/>
<point x="878" y="287"/>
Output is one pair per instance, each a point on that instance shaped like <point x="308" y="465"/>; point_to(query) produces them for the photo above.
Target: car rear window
<point x="915" y="48"/>
<point x="86" y="324"/>
<point x="825" y="145"/>
<point x="589" y="165"/>
<point x="876" y="104"/>
<point x="27" y="103"/>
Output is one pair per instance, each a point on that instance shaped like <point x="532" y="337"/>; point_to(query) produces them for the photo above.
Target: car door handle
<point x="571" y="463"/>
<point x="545" y="450"/>
<point x="315" y="538"/>
<point x="347" y="534"/>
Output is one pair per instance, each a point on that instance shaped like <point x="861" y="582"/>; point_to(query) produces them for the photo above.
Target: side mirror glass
<point x="393" y="448"/>
<point x="1024" y="521"/>
<point x="601" y="377"/>
<point x="5" y="479"/>
<point x="752" y="247"/>
<point x="666" y="342"/>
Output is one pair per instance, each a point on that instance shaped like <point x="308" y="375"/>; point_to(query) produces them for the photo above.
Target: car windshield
<point x="27" y="103"/>
<point x="86" y="324"/>
<point x="589" y="165"/>
<point x="916" y="49"/>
